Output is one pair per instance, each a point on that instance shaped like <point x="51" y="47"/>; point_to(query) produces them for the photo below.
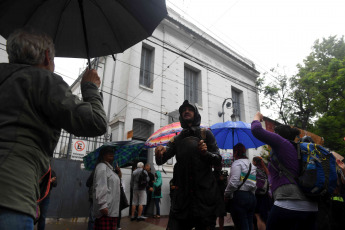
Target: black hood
<point x="197" y="117"/>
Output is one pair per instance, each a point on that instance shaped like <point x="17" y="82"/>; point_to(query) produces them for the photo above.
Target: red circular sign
<point x="79" y="145"/>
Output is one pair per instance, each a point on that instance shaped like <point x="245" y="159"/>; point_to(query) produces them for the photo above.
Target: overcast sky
<point x="268" y="32"/>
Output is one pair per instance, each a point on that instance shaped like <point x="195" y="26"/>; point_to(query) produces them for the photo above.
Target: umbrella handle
<point x="84" y="31"/>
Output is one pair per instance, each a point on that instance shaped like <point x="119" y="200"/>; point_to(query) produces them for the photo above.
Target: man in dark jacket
<point x="35" y="105"/>
<point x="194" y="202"/>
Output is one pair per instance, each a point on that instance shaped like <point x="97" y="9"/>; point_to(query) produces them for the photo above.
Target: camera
<point x="224" y="173"/>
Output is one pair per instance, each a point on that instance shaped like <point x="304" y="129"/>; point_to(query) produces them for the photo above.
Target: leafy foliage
<point x="277" y="94"/>
<point x="314" y="99"/>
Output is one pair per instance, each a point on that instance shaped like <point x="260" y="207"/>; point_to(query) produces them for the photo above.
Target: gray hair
<point x="140" y="165"/>
<point x="28" y="47"/>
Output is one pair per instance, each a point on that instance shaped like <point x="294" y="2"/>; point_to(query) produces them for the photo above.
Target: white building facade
<point x="144" y="87"/>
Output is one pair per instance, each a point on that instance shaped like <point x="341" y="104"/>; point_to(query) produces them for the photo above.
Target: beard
<point x="189" y="120"/>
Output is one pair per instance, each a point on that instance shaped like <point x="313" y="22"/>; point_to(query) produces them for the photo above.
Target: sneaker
<point x="141" y="218"/>
<point x="133" y="218"/>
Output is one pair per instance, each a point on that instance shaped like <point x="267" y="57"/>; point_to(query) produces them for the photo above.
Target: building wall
<point x="176" y="43"/>
<point x="175" y="46"/>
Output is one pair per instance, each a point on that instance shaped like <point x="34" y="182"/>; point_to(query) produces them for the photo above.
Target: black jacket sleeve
<point x="212" y="155"/>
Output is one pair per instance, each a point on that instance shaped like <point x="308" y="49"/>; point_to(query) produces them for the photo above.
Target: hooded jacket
<point x="35" y="105"/>
<point x="197" y="191"/>
<point x="156" y="185"/>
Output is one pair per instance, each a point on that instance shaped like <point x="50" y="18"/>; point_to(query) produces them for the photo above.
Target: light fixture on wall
<point x="228" y="106"/>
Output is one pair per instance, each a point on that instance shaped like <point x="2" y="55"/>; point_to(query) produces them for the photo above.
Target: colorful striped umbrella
<point x="125" y="151"/>
<point x="226" y="158"/>
<point x="164" y="134"/>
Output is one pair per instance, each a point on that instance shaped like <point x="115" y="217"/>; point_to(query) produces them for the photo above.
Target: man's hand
<point x="118" y="171"/>
<point x="259" y="117"/>
<point x="91" y="75"/>
<point x="160" y="150"/>
<point x="104" y="211"/>
<point x="151" y="189"/>
<point x="202" y="147"/>
<point x="341" y="164"/>
<point x="52" y="179"/>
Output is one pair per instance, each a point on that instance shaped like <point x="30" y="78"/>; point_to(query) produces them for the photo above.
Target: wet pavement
<point x="126" y="224"/>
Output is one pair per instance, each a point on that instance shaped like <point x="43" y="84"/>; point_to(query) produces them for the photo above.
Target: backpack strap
<point x="281" y="169"/>
<point x="203" y="134"/>
<point x="246" y="177"/>
<point x="45" y="179"/>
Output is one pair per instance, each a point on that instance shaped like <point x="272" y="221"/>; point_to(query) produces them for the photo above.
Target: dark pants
<point x="148" y="201"/>
<point x="190" y="223"/>
<point x="242" y="210"/>
<point x="91" y="222"/>
<point x="10" y="219"/>
<point x="285" y="219"/>
<point x="158" y="210"/>
<point x="41" y="224"/>
<point x="338" y="215"/>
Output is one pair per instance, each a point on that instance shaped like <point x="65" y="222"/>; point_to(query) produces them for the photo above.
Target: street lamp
<point x="228" y="106"/>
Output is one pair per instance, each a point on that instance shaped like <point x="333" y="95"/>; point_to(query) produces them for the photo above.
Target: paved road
<point x="126" y="224"/>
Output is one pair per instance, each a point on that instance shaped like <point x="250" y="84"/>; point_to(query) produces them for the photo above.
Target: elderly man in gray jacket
<point x="35" y="105"/>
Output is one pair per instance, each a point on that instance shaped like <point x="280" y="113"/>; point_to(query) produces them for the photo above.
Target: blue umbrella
<point x="230" y="133"/>
<point x="125" y="151"/>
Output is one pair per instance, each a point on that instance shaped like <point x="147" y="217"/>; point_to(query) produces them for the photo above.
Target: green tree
<point x="276" y="95"/>
<point x="313" y="99"/>
<point x="319" y="91"/>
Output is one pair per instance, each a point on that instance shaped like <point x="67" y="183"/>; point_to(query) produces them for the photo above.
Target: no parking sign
<point x="78" y="149"/>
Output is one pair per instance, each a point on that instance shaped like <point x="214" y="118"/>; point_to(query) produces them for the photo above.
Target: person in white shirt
<point x="106" y="192"/>
<point x="241" y="190"/>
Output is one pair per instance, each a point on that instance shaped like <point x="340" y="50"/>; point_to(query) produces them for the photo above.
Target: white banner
<point x="78" y="149"/>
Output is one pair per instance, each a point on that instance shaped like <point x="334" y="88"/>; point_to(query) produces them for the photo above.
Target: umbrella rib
<point x="113" y="32"/>
<point x="59" y="23"/>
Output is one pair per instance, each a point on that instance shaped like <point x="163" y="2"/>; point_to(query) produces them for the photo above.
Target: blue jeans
<point x="10" y="220"/>
<point x="242" y="209"/>
<point x="285" y="219"/>
<point x="158" y="210"/>
<point x="41" y="224"/>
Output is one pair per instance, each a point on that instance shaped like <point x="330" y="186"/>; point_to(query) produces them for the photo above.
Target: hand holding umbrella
<point x="91" y="75"/>
<point x="160" y="150"/>
<point x="202" y="147"/>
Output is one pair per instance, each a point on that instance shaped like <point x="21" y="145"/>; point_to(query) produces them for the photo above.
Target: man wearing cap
<point x="194" y="202"/>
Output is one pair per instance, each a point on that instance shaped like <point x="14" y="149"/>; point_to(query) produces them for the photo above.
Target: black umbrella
<point x="85" y="28"/>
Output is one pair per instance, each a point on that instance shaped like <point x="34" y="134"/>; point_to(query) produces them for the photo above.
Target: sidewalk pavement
<point x="149" y="224"/>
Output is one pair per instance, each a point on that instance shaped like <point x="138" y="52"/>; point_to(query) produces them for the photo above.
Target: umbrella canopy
<point x="164" y="134"/>
<point x="226" y="159"/>
<point x="230" y="133"/>
<point x="124" y="152"/>
<point x="85" y="28"/>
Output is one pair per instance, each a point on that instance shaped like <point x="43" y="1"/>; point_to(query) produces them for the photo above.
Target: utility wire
<point x="169" y="64"/>
<point x="221" y="39"/>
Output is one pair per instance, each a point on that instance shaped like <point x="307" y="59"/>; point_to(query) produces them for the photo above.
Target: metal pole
<point x="69" y="149"/>
<point x="84" y="30"/>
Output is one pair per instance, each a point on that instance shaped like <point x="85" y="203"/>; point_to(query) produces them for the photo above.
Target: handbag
<point x="157" y="191"/>
<point x="123" y="199"/>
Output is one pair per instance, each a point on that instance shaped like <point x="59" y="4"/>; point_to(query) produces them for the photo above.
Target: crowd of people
<point x="37" y="104"/>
